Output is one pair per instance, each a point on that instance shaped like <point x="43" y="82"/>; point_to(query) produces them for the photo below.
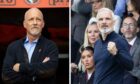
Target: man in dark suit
<point x="129" y="30"/>
<point x="33" y="59"/>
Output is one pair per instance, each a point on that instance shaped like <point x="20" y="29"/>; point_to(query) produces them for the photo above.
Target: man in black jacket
<point x="33" y="59"/>
<point x="111" y="51"/>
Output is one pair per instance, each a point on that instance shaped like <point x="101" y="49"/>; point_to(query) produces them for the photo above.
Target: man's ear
<point x="113" y="23"/>
<point x="122" y="31"/>
<point x="43" y="24"/>
<point x="24" y="24"/>
<point x="138" y="29"/>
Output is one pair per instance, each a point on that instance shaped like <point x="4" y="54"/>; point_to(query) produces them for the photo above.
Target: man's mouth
<point x="104" y="26"/>
<point x="105" y="29"/>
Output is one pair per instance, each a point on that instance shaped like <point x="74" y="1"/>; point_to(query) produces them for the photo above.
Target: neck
<point x="135" y="15"/>
<point x="129" y="39"/>
<point x="32" y="38"/>
<point x="90" y="70"/>
<point x="91" y="44"/>
<point x="104" y="36"/>
<point x="104" y="33"/>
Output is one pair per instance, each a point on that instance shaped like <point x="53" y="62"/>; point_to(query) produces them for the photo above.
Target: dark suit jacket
<point x="81" y="78"/>
<point x="35" y="72"/>
<point x="131" y="78"/>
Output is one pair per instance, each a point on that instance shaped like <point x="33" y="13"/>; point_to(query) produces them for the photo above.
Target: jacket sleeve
<point x="123" y="56"/>
<point x="8" y="74"/>
<point x="136" y="72"/>
<point x="136" y="58"/>
<point x="43" y="70"/>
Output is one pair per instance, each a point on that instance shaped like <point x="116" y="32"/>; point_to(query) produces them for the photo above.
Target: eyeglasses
<point x="131" y="26"/>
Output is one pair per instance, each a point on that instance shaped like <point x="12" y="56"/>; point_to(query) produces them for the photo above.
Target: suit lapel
<point x="134" y="47"/>
<point x="24" y="54"/>
<point x="38" y="49"/>
<point x="90" y="81"/>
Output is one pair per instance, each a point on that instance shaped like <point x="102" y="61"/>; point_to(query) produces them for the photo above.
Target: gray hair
<point x="105" y="9"/>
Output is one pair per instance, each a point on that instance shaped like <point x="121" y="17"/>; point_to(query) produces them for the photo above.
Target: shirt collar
<point x="27" y="40"/>
<point x="132" y="41"/>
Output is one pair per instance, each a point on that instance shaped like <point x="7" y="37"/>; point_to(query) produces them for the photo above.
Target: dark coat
<point x="81" y="78"/>
<point x="35" y="72"/>
<point x="111" y="69"/>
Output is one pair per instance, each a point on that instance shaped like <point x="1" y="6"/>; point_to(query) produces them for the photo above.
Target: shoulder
<point x="137" y="43"/>
<point x="121" y="42"/>
<point x="119" y="39"/>
<point x="15" y="44"/>
<point x="82" y="76"/>
<point x="117" y="17"/>
<point x="50" y="42"/>
<point x="138" y="40"/>
<point x="98" y="42"/>
<point x="47" y="43"/>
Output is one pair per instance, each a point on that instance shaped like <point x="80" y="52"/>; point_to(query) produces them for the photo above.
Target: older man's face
<point x="129" y="28"/>
<point x="105" y="22"/>
<point x="34" y="22"/>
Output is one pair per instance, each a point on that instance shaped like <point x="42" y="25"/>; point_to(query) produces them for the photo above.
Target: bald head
<point x="33" y="22"/>
<point x="32" y="11"/>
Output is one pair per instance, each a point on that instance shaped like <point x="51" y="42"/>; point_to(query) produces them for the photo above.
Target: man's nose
<point x="104" y="21"/>
<point x="35" y="22"/>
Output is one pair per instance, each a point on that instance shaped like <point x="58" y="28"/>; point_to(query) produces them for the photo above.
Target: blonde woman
<point x="91" y="35"/>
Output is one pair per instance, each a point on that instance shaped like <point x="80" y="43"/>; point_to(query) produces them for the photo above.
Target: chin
<point x="92" y="42"/>
<point x="36" y="34"/>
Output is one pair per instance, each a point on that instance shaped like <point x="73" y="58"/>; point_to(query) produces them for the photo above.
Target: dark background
<point x="56" y="29"/>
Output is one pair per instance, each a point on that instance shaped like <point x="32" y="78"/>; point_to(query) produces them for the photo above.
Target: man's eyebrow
<point x="108" y="18"/>
<point x="100" y="18"/>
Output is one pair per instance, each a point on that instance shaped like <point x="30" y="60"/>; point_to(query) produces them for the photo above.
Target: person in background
<point x="133" y="7"/>
<point x="91" y="35"/>
<point x="32" y="59"/>
<point x="87" y="60"/>
<point x="129" y="30"/>
<point x="120" y="7"/>
<point x="80" y="14"/>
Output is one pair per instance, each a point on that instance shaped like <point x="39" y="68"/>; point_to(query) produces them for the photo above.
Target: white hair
<point x="92" y="19"/>
<point x="105" y="9"/>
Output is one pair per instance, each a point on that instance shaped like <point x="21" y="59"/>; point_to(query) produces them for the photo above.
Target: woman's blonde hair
<point x="86" y="42"/>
